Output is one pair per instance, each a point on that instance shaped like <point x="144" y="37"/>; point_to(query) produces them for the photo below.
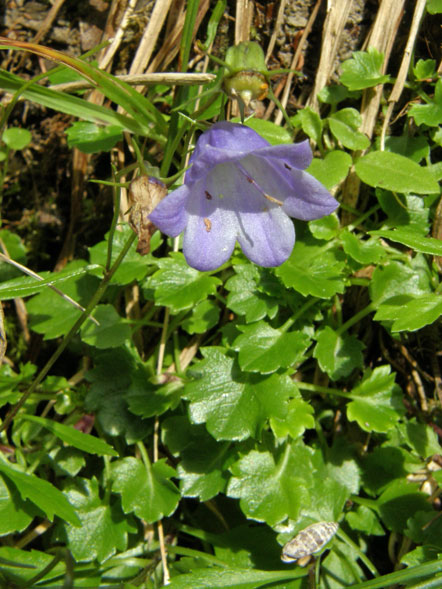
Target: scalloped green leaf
<point x="377" y="401"/>
<point x="146" y="490"/>
<point x="313" y="269"/>
<point x="178" y="286"/>
<point x="234" y="405"/>
<point x="272" y="489"/>
<point x="338" y="355"/>
<point x="263" y="349"/>
<point x="363" y="70"/>
<point x="249" y="295"/>
<point x="104" y="528"/>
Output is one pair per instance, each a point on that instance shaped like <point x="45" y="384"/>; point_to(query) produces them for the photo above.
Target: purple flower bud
<point x="241" y="188"/>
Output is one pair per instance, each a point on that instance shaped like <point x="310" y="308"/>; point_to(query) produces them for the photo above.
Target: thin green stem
<point x="343" y="536"/>
<point x="356" y="318"/>
<point x="113" y="226"/>
<point x="314" y="388"/>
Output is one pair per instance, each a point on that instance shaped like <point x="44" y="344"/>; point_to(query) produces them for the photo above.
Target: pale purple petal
<point x="295" y="155"/>
<point x="170" y="214"/>
<point x="264" y="231"/>
<point x="222" y="143"/>
<point x="210" y="234"/>
<point x="303" y="196"/>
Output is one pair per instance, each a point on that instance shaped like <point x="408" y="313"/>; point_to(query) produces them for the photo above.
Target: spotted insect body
<point x="309" y="541"/>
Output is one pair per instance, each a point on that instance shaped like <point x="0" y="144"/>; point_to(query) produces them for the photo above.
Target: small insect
<point x="308" y="541"/>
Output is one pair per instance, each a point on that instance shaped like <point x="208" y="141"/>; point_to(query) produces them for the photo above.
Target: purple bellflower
<point x="241" y="188"/>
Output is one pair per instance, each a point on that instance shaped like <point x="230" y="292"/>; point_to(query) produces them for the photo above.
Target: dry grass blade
<point x="382" y="37"/>
<point x="150" y="37"/>
<point x="170" y="79"/>
<point x="278" y="23"/>
<point x="403" y="70"/>
<point x="337" y="15"/>
<point x="243" y="20"/>
<point x="30" y="272"/>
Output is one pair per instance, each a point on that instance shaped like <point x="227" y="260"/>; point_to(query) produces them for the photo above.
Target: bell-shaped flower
<point x="241" y="188"/>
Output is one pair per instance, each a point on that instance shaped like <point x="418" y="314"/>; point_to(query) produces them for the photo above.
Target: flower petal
<point x="296" y="155"/>
<point x="222" y="143"/>
<point x="264" y="231"/>
<point x="210" y="235"/>
<point x="268" y="239"/>
<point x="303" y="196"/>
<point x="170" y="215"/>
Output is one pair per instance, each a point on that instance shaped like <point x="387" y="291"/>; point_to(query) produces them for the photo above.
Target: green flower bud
<point x="246" y="63"/>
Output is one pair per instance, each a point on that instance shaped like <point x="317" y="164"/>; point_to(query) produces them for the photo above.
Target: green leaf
<point x="434" y="6"/>
<point x="363" y="70"/>
<point x="431" y="113"/>
<point x="395" y="278"/>
<point x="134" y="266"/>
<point x="179" y="286"/>
<point x="111" y="332"/>
<point x="420" y="437"/>
<point x="395" y="172"/>
<point x="91" y="138"/>
<point x="47" y="497"/>
<point x="425" y="68"/>
<point x="270" y="489"/>
<point x="338" y="355"/>
<point x="25" y="286"/>
<point x="344" y="125"/>
<point x="274" y="134"/>
<point x="111" y="378"/>
<point x="414" y="147"/>
<point x="405" y="210"/>
<point x="149" y="396"/>
<point x="408" y="237"/>
<point x="20" y="566"/>
<point x="71" y="105"/>
<point x="310" y="123"/>
<point x="413" y="314"/>
<point x="326" y="228"/>
<point x="146" y="490"/>
<point x="332" y="169"/>
<point x="313" y="269"/>
<point x="399" y="502"/>
<point x="249" y="294"/>
<point x="104" y="528"/>
<point x="237" y="578"/>
<point x="203" y="464"/>
<point x="15" y="514"/>
<point x="16" y="138"/>
<point x="365" y="520"/>
<point x="365" y="252"/>
<point x="74" y="437"/>
<point x="377" y="401"/>
<point x="234" y="405"/>
<point x="264" y="349"/>
<point x="299" y="418"/>
<point x="53" y="316"/>
<point x="205" y="315"/>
